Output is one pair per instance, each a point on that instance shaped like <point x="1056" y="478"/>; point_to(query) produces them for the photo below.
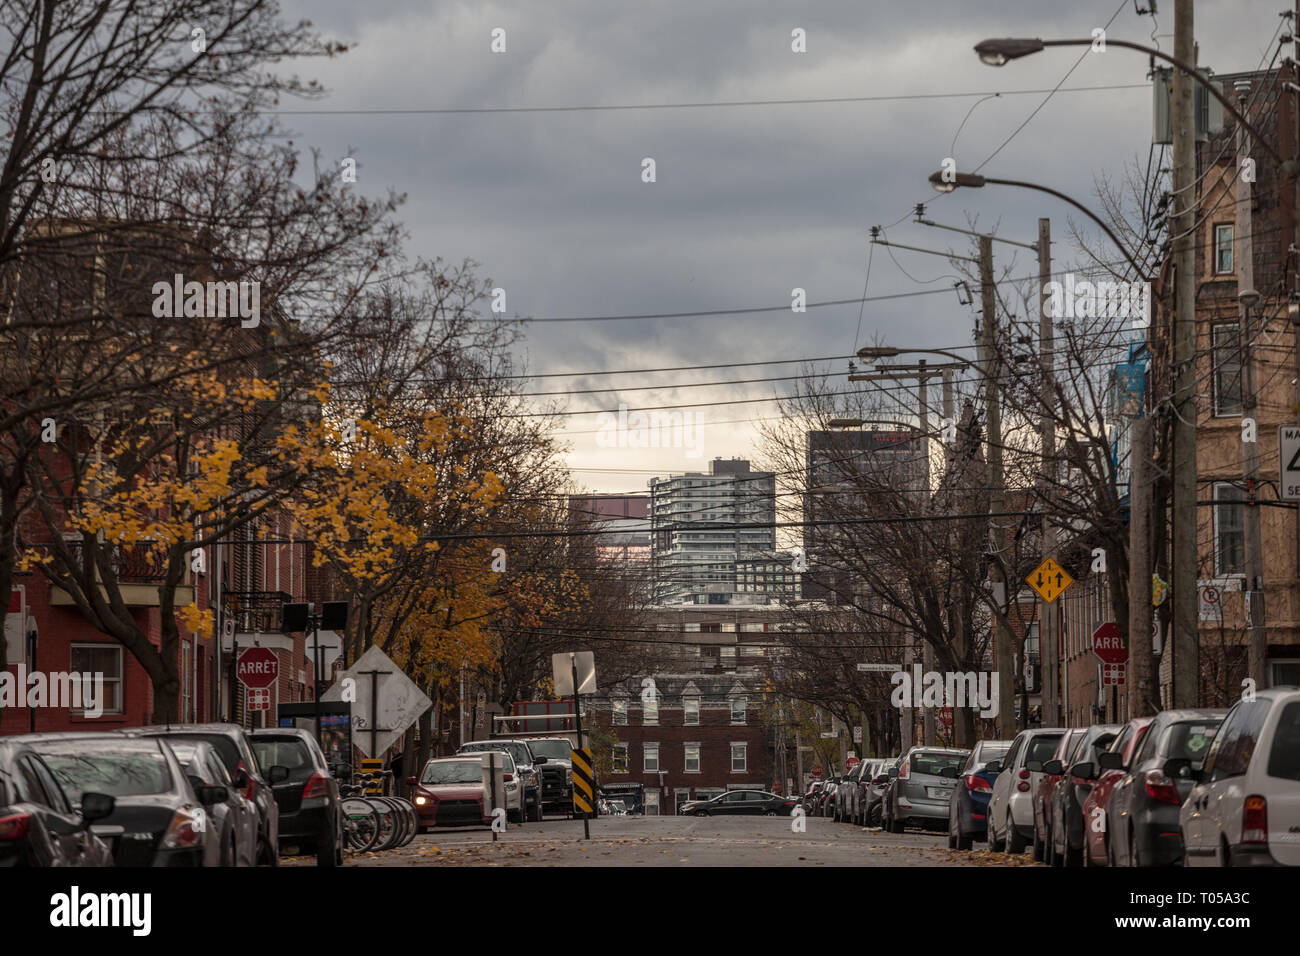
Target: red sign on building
<point x="1108" y="645"/>
<point x="258" y="667"/>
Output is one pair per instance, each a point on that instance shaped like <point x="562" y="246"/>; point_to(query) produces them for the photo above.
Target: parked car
<point x="255" y="782"/>
<point x="809" y="800"/>
<point x="528" y="765"/>
<point x="556" y="773"/>
<point x="968" y="806"/>
<point x="1011" y="809"/>
<point x="920" y="792"/>
<point x="158" y="817"/>
<point x="235" y="817"/>
<point x="1045" y="783"/>
<point x="38" y="824"/>
<point x="860" y="797"/>
<point x="451" y="792"/>
<point x="1064" y="810"/>
<point x="846" y="797"/>
<point x="308" y="799"/>
<point x="1245" y="807"/>
<point x="1110" y="769"/>
<point x="740" y="802"/>
<point x="876" y="789"/>
<point x="1142" y="821"/>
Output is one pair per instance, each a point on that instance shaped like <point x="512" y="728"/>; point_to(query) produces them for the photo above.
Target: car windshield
<point x="117" y="773"/>
<point x="453" y="772"/>
<point x="226" y="748"/>
<point x="513" y="747"/>
<point x="1284" y="757"/>
<point x="1191" y="741"/>
<point x="551" y="749"/>
<point x="1041" y="747"/>
<point x="936" y="763"/>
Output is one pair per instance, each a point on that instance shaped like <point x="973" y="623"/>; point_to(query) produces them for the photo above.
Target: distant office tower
<point x="853" y="475"/>
<point x="702" y="523"/>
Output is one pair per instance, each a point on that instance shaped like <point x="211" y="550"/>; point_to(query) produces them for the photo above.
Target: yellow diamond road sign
<point x="1049" y="580"/>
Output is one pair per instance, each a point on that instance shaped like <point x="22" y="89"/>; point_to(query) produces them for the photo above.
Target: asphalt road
<point x="681" y="841"/>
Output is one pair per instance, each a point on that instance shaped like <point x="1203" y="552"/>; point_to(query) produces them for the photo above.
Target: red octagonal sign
<point x="258" y="667"/>
<point x="1108" y="645"/>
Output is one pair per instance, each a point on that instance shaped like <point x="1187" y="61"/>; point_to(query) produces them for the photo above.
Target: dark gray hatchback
<point x="308" y="799"/>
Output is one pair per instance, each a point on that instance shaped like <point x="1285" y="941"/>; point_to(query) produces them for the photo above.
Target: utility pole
<point x="1143" y="698"/>
<point x="1184" y="638"/>
<point x="997" y="493"/>
<point x="1248" y="298"/>
<point x="1049" y="629"/>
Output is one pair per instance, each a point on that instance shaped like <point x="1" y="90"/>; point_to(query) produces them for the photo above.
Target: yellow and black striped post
<point x="584" y="785"/>
<point x="374" y="765"/>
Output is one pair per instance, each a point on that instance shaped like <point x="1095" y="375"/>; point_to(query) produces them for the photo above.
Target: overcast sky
<point x="750" y="202"/>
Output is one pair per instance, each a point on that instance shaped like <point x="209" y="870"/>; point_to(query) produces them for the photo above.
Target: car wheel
<point x="769" y="813"/>
<point x="1134" y="859"/>
<point x="1016" y="844"/>
<point x="327" y="852"/>
<point x="1037" y="849"/>
<point x="952" y="833"/>
<point x="1072" y="857"/>
<point x="896" y="826"/>
<point x="538" y="814"/>
<point x="266" y="855"/>
<point x="997" y="844"/>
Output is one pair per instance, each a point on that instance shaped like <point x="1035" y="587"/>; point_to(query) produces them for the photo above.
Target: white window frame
<point x="1219" y="570"/>
<point x="650" y="713"/>
<point x="686" y="756"/>
<point x="619" y="749"/>
<point x="744" y="710"/>
<point x="646" y="750"/>
<point x="120" y="680"/>
<point x="744" y="756"/>
<point x="690" y="711"/>
<point x="618" y="713"/>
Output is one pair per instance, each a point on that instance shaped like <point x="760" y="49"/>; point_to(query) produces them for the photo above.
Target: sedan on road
<point x="1065" y="800"/>
<point x="38" y="825"/>
<point x="740" y="802"/>
<point x="1109" y="771"/>
<point x="1011" y="811"/>
<point x="235" y="817"/>
<point x="451" y="792"/>
<point x="969" y="806"/>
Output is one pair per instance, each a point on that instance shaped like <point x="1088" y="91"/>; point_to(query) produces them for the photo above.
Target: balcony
<point x="140" y="569"/>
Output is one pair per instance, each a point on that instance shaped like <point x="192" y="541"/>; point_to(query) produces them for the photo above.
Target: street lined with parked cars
<point x="1187" y="787"/>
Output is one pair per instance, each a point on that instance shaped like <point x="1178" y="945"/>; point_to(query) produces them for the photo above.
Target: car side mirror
<point x="411" y="781"/>
<point x="949" y="772"/>
<point x="993" y="766"/>
<point x="1053" y="767"/>
<point x="538" y="761"/>
<point x="1110" y="760"/>
<point x="277" y="774"/>
<point x="96" y="806"/>
<point x="241" y="779"/>
<point x="1034" y="766"/>
<point x="210" y="796"/>
<point x="1084" y="771"/>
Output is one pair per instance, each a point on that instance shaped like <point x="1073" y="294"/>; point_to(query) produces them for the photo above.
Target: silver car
<point x="920" y="793"/>
<point x="1011" y="809"/>
<point x="235" y="817"/>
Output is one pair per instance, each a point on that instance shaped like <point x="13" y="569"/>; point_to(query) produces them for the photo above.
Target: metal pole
<point x="318" y="664"/>
<point x="997" y="491"/>
<point x="492" y="776"/>
<point x="1184" y="640"/>
<point x="927" y="649"/>
<point x="31" y="669"/>
<point x="1049" y="628"/>
<point x="577" y="722"/>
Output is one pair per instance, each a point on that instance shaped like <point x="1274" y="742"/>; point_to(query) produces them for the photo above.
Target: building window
<point x="619" y="708"/>
<point x="738" y="708"/>
<point x="691" y="712"/>
<point x="739" y="761"/>
<point x="1229" y="533"/>
<point x="692" y="758"/>
<point x="1226" y="355"/>
<point x="619" y="759"/>
<point x="1223" y="249"/>
<point x="650" y="712"/>
<point x="101" y="660"/>
<point x="650" y="758"/>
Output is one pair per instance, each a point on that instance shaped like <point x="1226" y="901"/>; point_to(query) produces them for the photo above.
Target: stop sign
<point x="258" y="667"/>
<point x="1108" y="645"/>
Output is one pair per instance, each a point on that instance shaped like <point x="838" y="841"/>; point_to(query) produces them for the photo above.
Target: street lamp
<point x="999" y="52"/>
<point x="946" y="182"/>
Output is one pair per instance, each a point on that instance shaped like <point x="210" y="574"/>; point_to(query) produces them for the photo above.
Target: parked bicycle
<point x="373" y="819"/>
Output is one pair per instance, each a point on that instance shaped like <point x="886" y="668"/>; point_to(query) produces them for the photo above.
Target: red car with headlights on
<point x="451" y="793"/>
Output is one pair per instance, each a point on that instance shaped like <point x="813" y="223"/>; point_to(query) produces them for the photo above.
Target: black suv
<point x="310" y="817"/>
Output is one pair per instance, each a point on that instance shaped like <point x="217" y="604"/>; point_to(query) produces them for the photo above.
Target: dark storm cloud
<point x="749" y="202"/>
